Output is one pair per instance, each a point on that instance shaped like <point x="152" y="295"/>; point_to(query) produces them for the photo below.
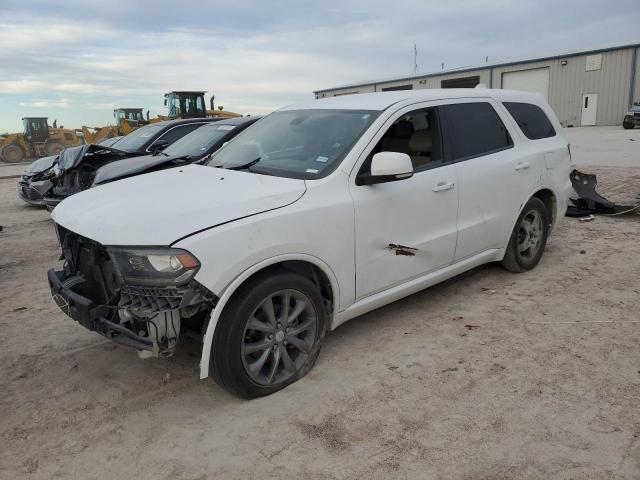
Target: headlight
<point x="154" y="266"/>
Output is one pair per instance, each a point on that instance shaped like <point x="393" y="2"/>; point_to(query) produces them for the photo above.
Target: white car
<point x="314" y="215"/>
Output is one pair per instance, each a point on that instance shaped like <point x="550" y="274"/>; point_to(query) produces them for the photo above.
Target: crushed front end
<point x="140" y="297"/>
<point x="76" y="170"/>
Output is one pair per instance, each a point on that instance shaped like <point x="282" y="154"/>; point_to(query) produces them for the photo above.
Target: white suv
<point x="316" y="214"/>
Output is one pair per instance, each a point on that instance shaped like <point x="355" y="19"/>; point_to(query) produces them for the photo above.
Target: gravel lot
<point x="488" y="376"/>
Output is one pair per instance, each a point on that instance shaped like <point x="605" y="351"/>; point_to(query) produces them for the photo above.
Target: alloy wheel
<point x="530" y="234"/>
<point x="279" y="337"/>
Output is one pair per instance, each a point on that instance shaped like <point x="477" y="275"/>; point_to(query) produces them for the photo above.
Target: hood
<point x="129" y="166"/>
<point x="161" y="207"/>
<point x="40" y="165"/>
<point x="71" y="157"/>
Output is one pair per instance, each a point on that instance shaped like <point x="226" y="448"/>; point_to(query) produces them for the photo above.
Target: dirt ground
<point x="491" y="375"/>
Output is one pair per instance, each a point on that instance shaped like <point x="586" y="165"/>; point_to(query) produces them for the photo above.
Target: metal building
<point x="593" y="87"/>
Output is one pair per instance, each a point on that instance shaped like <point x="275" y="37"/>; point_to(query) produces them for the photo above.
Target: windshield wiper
<point x="244" y="166"/>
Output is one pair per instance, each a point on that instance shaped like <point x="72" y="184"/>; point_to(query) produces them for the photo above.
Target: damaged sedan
<point x="76" y="167"/>
<point x="318" y="213"/>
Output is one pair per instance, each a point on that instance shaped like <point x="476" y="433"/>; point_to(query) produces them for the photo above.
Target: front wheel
<point x="529" y="237"/>
<point x="12" y="153"/>
<point x="627" y="126"/>
<point x="269" y="335"/>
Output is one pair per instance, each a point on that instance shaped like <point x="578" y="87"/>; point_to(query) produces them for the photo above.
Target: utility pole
<point x="415" y="59"/>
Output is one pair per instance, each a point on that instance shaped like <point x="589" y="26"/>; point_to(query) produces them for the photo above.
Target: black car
<point x="195" y="147"/>
<point x="76" y="167"/>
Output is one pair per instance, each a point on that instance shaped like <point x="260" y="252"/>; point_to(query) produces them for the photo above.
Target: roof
<point x="180" y="121"/>
<point x="383" y="100"/>
<point x="471" y="68"/>
<point x="238" y="120"/>
<point x="187" y="92"/>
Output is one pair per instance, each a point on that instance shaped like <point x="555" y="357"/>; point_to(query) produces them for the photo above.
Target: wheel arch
<point x="307" y="265"/>
<point x="546" y="195"/>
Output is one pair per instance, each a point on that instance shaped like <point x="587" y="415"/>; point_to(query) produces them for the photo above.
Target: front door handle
<point x="522" y="166"/>
<point x="440" y="187"/>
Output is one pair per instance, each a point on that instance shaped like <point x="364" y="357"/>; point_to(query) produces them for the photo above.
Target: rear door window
<point x="533" y="122"/>
<point x="475" y="129"/>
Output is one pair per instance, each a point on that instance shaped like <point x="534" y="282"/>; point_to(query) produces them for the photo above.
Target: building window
<point x="461" y="82"/>
<point x="594" y="62"/>
<point x="399" y="87"/>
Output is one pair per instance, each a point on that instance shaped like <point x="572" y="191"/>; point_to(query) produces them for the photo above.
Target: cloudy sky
<point x="77" y="60"/>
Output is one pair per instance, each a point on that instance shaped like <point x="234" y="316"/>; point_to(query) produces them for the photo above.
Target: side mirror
<point x="387" y="167"/>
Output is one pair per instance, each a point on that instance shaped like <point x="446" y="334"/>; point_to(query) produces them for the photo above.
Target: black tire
<point x="527" y="244"/>
<point x="229" y="364"/>
<point x="627" y="126"/>
<point x="54" y="148"/>
<point x="12" y="153"/>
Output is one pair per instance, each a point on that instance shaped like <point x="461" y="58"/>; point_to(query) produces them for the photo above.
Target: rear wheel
<point x="54" y="148"/>
<point x="627" y="126"/>
<point x="269" y="334"/>
<point x="528" y="239"/>
<point x="12" y="153"/>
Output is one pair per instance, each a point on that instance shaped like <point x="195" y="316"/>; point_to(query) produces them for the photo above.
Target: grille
<point x="150" y="298"/>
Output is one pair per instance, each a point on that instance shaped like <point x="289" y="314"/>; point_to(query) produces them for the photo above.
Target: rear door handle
<point x="522" y="166"/>
<point x="440" y="187"/>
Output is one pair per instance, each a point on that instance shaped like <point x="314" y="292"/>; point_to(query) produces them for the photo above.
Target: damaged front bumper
<point x="148" y="318"/>
<point x="33" y="192"/>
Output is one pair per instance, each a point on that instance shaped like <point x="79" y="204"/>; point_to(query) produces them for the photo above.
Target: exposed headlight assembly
<point x="154" y="266"/>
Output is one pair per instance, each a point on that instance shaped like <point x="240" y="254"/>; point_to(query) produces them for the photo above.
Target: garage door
<point x="534" y="80"/>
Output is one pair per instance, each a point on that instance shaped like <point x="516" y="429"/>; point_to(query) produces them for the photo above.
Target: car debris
<point x="590" y="202"/>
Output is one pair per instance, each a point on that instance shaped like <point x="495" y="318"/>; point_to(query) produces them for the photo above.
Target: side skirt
<point x="381" y="299"/>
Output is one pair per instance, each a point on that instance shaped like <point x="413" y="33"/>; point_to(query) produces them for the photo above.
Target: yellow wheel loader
<point x="37" y="140"/>
<point x="127" y="120"/>
<point x="190" y="104"/>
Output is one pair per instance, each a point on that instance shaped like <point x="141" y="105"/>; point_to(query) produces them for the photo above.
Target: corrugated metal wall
<point x="567" y="83"/>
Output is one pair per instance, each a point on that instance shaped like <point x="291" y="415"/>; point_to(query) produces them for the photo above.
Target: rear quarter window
<point x="533" y="122"/>
<point x="475" y="129"/>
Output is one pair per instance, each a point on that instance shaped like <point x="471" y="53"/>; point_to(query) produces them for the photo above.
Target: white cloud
<point x="258" y="56"/>
<point x="60" y="103"/>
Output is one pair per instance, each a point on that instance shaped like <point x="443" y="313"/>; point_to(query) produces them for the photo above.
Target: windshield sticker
<point x="311" y="170"/>
<point x="226" y="127"/>
<point x="322" y="159"/>
<point x="145" y="135"/>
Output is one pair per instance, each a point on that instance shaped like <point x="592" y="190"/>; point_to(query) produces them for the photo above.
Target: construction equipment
<point x="190" y="104"/>
<point x="37" y="140"/>
<point x="127" y="120"/>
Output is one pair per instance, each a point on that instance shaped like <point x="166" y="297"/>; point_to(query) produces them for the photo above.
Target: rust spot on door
<point x="402" y="249"/>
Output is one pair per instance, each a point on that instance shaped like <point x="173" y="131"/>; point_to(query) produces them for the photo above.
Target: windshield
<point x="304" y="144"/>
<point x="136" y="139"/>
<point x="198" y="142"/>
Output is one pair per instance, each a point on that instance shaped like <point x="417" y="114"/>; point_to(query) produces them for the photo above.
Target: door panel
<point x="494" y="181"/>
<point x="404" y="229"/>
<point x="589" y="109"/>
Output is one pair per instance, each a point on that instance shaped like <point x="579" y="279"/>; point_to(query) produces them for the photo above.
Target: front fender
<point x="239" y="280"/>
